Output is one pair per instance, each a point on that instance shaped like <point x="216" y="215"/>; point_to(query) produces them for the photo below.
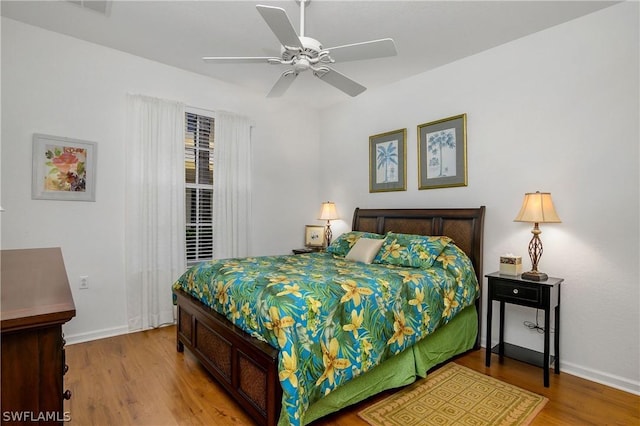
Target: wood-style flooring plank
<point x="140" y="379"/>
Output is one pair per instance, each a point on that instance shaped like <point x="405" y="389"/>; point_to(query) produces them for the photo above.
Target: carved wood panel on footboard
<point x="245" y="367"/>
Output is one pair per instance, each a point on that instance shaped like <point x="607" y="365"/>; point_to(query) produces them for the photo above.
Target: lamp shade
<point x="537" y="207"/>
<point x="328" y="211"/>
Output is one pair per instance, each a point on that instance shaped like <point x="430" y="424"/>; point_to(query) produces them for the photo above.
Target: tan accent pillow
<point x="364" y="250"/>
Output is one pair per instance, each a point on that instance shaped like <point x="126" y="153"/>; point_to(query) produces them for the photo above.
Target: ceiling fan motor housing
<point x="311" y="48"/>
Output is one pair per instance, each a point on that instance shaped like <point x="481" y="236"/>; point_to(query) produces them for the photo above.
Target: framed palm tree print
<point x="442" y="153"/>
<point x="388" y="161"/>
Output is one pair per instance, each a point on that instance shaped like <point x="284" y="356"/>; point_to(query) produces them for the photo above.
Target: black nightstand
<point x="306" y="250"/>
<point x="534" y="294"/>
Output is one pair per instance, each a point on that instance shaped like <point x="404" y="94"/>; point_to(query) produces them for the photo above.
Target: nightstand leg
<point x="556" y="337"/>
<point x="487" y="361"/>
<point x="501" y="342"/>
<point x="547" y="322"/>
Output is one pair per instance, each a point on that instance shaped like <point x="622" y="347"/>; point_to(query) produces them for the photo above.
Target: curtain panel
<point x="232" y="186"/>
<point x="154" y="210"/>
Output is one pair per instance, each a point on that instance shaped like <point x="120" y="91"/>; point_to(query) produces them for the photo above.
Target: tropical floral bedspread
<point x="332" y="319"/>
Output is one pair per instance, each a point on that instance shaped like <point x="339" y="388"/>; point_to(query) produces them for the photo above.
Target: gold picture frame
<point x="314" y="236"/>
<point x="442" y="153"/>
<point x="388" y="161"/>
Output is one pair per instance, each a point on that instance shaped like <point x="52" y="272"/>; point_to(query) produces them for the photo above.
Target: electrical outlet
<point x="84" y="282"/>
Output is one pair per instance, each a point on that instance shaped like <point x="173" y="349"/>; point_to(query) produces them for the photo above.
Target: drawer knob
<point x="66" y="368"/>
<point x="515" y="291"/>
<point x="67" y="394"/>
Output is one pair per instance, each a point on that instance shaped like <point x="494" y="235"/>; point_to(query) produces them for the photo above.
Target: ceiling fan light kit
<point x="301" y="53"/>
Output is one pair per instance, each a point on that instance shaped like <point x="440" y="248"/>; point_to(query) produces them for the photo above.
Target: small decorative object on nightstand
<point x="536" y="208"/>
<point x="510" y="265"/>
<point x="328" y="213"/>
<point x="314" y="236"/>
<point x="534" y="294"/>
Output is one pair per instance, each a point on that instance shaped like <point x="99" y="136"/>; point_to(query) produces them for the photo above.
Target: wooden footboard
<point x="246" y="367"/>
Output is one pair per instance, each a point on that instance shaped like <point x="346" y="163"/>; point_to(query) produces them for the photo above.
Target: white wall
<point x="57" y="85"/>
<point x="556" y="111"/>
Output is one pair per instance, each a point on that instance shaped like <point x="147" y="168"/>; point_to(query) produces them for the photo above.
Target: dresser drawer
<point x="517" y="292"/>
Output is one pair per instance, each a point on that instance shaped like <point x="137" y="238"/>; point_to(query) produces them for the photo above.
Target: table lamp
<point x="328" y="213"/>
<point x="537" y="207"/>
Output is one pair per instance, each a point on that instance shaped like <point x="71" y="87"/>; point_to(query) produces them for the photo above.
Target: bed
<point x="254" y="372"/>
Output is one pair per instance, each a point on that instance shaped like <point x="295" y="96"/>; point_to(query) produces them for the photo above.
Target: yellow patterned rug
<point x="456" y="395"/>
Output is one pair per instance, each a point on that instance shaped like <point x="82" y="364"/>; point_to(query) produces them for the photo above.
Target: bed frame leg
<point x="180" y="346"/>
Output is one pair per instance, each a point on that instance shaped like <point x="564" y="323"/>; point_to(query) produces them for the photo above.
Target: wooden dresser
<point x="36" y="300"/>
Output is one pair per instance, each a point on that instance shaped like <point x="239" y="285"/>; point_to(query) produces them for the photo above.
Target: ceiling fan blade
<point x="365" y="50"/>
<point x="279" y="22"/>
<point x="282" y="84"/>
<point x="340" y="81"/>
<point x="238" y="59"/>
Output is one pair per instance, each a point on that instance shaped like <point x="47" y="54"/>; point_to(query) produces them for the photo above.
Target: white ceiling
<point x="427" y="34"/>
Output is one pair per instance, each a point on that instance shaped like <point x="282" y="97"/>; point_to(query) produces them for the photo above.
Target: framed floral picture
<point x="63" y="169"/>
<point x="314" y="236"/>
<point x="442" y="153"/>
<point x="387" y="161"/>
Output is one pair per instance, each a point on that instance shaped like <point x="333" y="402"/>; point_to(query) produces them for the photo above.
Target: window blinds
<point x="199" y="142"/>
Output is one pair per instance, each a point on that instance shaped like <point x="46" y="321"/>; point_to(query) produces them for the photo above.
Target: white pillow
<point x="364" y="250"/>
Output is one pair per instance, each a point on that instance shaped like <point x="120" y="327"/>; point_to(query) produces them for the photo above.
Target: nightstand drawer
<point x="509" y="291"/>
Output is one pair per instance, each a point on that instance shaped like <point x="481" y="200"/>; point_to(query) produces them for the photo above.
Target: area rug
<point x="456" y="395"/>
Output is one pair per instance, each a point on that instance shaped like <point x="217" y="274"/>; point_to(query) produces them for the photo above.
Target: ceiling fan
<point x="303" y="53"/>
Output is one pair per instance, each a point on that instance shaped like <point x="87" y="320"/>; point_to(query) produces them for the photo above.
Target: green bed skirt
<point x="456" y="337"/>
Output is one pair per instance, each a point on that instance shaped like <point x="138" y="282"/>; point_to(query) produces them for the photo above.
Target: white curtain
<point x="155" y="216"/>
<point x="232" y="186"/>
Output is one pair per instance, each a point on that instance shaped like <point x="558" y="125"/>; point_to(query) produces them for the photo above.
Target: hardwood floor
<point x="140" y="379"/>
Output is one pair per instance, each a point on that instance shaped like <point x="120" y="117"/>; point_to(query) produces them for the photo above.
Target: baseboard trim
<point x="95" y="335"/>
<point x="71" y="339"/>
<point x="611" y="380"/>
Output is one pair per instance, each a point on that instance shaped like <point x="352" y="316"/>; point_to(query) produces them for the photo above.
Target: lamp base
<point x="328" y="234"/>
<point x="534" y="276"/>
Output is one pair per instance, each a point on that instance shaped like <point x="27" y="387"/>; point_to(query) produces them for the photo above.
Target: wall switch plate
<point x="84" y="282"/>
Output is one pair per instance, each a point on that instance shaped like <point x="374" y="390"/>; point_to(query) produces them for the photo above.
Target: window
<point x="198" y="163"/>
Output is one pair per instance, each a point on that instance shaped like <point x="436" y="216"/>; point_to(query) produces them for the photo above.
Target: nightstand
<point x="307" y="250"/>
<point x="543" y="295"/>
